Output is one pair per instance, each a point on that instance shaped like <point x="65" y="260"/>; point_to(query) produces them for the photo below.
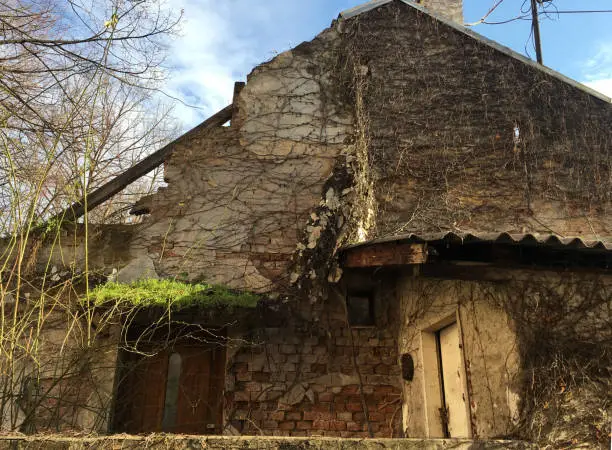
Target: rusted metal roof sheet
<point x="526" y="239"/>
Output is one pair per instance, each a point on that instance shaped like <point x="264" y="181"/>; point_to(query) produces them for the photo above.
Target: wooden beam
<point x="385" y="254"/>
<point x="140" y="169"/>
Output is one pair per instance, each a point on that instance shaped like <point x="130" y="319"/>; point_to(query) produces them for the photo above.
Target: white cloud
<point x="202" y="68"/>
<point x="603" y="86"/>
<point x="219" y="44"/>
<point x="598" y="70"/>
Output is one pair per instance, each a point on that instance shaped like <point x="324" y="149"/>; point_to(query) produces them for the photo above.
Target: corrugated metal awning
<point x="522" y="239"/>
<point x="503" y="249"/>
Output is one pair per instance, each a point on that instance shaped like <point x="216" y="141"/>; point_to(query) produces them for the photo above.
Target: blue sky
<point x="221" y="41"/>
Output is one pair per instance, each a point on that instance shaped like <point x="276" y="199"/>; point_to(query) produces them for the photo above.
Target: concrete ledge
<point x="165" y="441"/>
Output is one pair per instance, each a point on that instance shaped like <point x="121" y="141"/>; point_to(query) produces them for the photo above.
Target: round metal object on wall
<point x="407" y="367"/>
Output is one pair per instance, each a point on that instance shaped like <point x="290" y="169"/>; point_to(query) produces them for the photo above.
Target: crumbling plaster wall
<point x="238" y="199"/>
<point x="489" y="348"/>
<point x="534" y="351"/>
<point x="466" y="138"/>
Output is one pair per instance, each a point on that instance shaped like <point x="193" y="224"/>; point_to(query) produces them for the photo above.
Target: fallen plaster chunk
<point x="141" y="268"/>
<point x="331" y="199"/>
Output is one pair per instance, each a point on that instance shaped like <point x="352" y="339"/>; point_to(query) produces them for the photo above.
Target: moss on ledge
<point x="171" y="293"/>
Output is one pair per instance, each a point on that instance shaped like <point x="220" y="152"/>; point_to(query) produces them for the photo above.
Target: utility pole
<point x="536" y="30"/>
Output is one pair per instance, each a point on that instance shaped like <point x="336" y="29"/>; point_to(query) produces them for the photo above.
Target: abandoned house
<point x="425" y="218"/>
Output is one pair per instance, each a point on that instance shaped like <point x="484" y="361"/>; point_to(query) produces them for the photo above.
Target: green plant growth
<point x="171" y="293"/>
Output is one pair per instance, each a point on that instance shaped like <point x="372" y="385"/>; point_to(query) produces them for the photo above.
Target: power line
<point x="582" y="12"/>
<point x="542" y="13"/>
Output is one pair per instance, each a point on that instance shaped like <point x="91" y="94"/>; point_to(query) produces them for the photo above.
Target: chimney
<point x="451" y="9"/>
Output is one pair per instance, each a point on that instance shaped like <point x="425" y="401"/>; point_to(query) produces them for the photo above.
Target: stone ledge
<point x="181" y="442"/>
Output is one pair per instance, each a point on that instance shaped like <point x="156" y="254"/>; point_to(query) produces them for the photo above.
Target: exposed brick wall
<point x="313" y="378"/>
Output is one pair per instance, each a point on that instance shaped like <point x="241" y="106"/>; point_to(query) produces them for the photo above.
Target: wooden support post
<point x="385" y="254"/>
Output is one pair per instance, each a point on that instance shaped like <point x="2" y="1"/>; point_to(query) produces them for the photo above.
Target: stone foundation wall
<point x="242" y="443"/>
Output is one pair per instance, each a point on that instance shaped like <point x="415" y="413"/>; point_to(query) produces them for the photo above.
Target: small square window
<point x="360" y="308"/>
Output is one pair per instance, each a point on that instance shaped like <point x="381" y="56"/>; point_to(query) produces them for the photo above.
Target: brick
<point x="291" y="376"/>
<point x="318" y="415"/>
<point x="354" y="407"/>
<point x="376" y="379"/>
<point x="351" y="389"/>
<point x="382" y="369"/>
<point x="389" y="360"/>
<point x="281" y="433"/>
<point x="252" y="386"/>
<point x="287" y="349"/>
<point x="312" y="340"/>
<point x="241" y="396"/>
<point x="318" y="388"/>
<point x="318" y="368"/>
<point x="354" y="426"/>
<point x="376" y="416"/>
<point x="294" y="415"/>
<point x="304" y="425"/>
<point x="358" y="434"/>
<point x="325" y="397"/>
<point x="294" y="358"/>
<point x="239" y="367"/>
<point x="270" y="424"/>
<point x="243" y="376"/>
<point x="366" y="369"/>
<point x="337" y="425"/>
<point x="241" y="414"/>
<point x="286" y="426"/>
<point x="373" y="342"/>
<point x="310" y="359"/>
<point x="320" y="425"/>
<point x="260" y="377"/>
<point x="319" y="350"/>
<point x="277" y="376"/>
<point x="342" y="342"/>
<point x="277" y="415"/>
<point x="346" y="416"/>
<point x="385" y="389"/>
<point x="323" y="407"/>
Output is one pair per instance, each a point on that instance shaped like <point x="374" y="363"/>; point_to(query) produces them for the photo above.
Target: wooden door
<point x="179" y="390"/>
<point x="454" y="395"/>
<point x="140" y="395"/>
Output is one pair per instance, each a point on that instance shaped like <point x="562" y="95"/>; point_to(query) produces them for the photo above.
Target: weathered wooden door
<point x="454" y="395"/>
<point x="179" y="390"/>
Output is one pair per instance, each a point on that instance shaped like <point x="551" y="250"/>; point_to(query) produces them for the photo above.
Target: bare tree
<point x="75" y="98"/>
